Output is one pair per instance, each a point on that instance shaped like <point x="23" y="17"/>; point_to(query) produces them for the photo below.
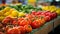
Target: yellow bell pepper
<point x="21" y="14"/>
<point x="6" y="9"/>
<point x="14" y="13"/>
<point x="1" y="18"/>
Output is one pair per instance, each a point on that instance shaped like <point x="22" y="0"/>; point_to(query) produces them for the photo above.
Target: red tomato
<point x="43" y="13"/>
<point x="54" y="14"/>
<point x="5" y="21"/>
<point x="18" y="22"/>
<point x="7" y="28"/>
<point x="8" y="17"/>
<point x="14" y="22"/>
<point x="49" y="14"/>
<point x="1" y="33"/>
<point x="47" y="18"/>
<point x="28" y="20"/>
<point x="33" y="12"/>
<point x="20" y="19"/>
<point x="29" y="16"/>
<point x="13" y="31"/>
<point x="41" y="21"/>
<point x="28" y="28"/>
<point x="35" y="24"/>
<point x="38" y="13"/>
<point x="22" y="29"/>
<point x="23" y="22"/>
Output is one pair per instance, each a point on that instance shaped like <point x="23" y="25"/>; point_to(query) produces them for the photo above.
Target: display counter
<point x="46" y="28"/>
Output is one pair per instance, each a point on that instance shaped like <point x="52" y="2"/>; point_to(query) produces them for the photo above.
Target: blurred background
<point x="33" y="2"/>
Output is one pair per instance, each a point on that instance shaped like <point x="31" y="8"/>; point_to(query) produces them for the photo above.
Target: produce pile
<point x="13" y="21"/>
<point x="52" y="9"/>
<point x="23" y="8"/>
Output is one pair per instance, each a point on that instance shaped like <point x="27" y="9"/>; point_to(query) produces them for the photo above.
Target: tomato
<point x="49" y="14"/>
<point x="7" y="28"/>
<point x="42" y="19"/>
<point x="14" y="22"/>
<point x="43" y="13"/>
<point x="1" y="33"/>
<point x="33" y="12"/>
<point x="23" y="22"/>
<point x="38" y="13"/>
<point x="22" y="29"/>
<point x="30" y="16"/>
<point x="1" y="25"/>
<point x="18" y="22"/>
<point x="54" y="14"/>
<point x="47" y="18"/>
<point x="28" y="20"/>
<point x="8" y="17"/>
<point x="28" y="28"/>
<point x="6" y="20"/>
<point x="20" y="19"/>
<point x="35" y="24"/>
<point x="13" y="31"/>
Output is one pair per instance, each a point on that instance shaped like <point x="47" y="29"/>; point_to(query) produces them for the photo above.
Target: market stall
<point x="29" y="17"/>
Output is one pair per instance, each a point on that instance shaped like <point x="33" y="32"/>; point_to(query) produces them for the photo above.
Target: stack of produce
<point x="51" y="9"/>
<point x="29" y="8"/>
<point x="2" y="7"/>
<point x="26" y="8"/>
<point x="10" y="12"/>
<point x="15" y="22"/>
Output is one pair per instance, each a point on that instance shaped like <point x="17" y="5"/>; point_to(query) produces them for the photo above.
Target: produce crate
<point x="47" y="27"/>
